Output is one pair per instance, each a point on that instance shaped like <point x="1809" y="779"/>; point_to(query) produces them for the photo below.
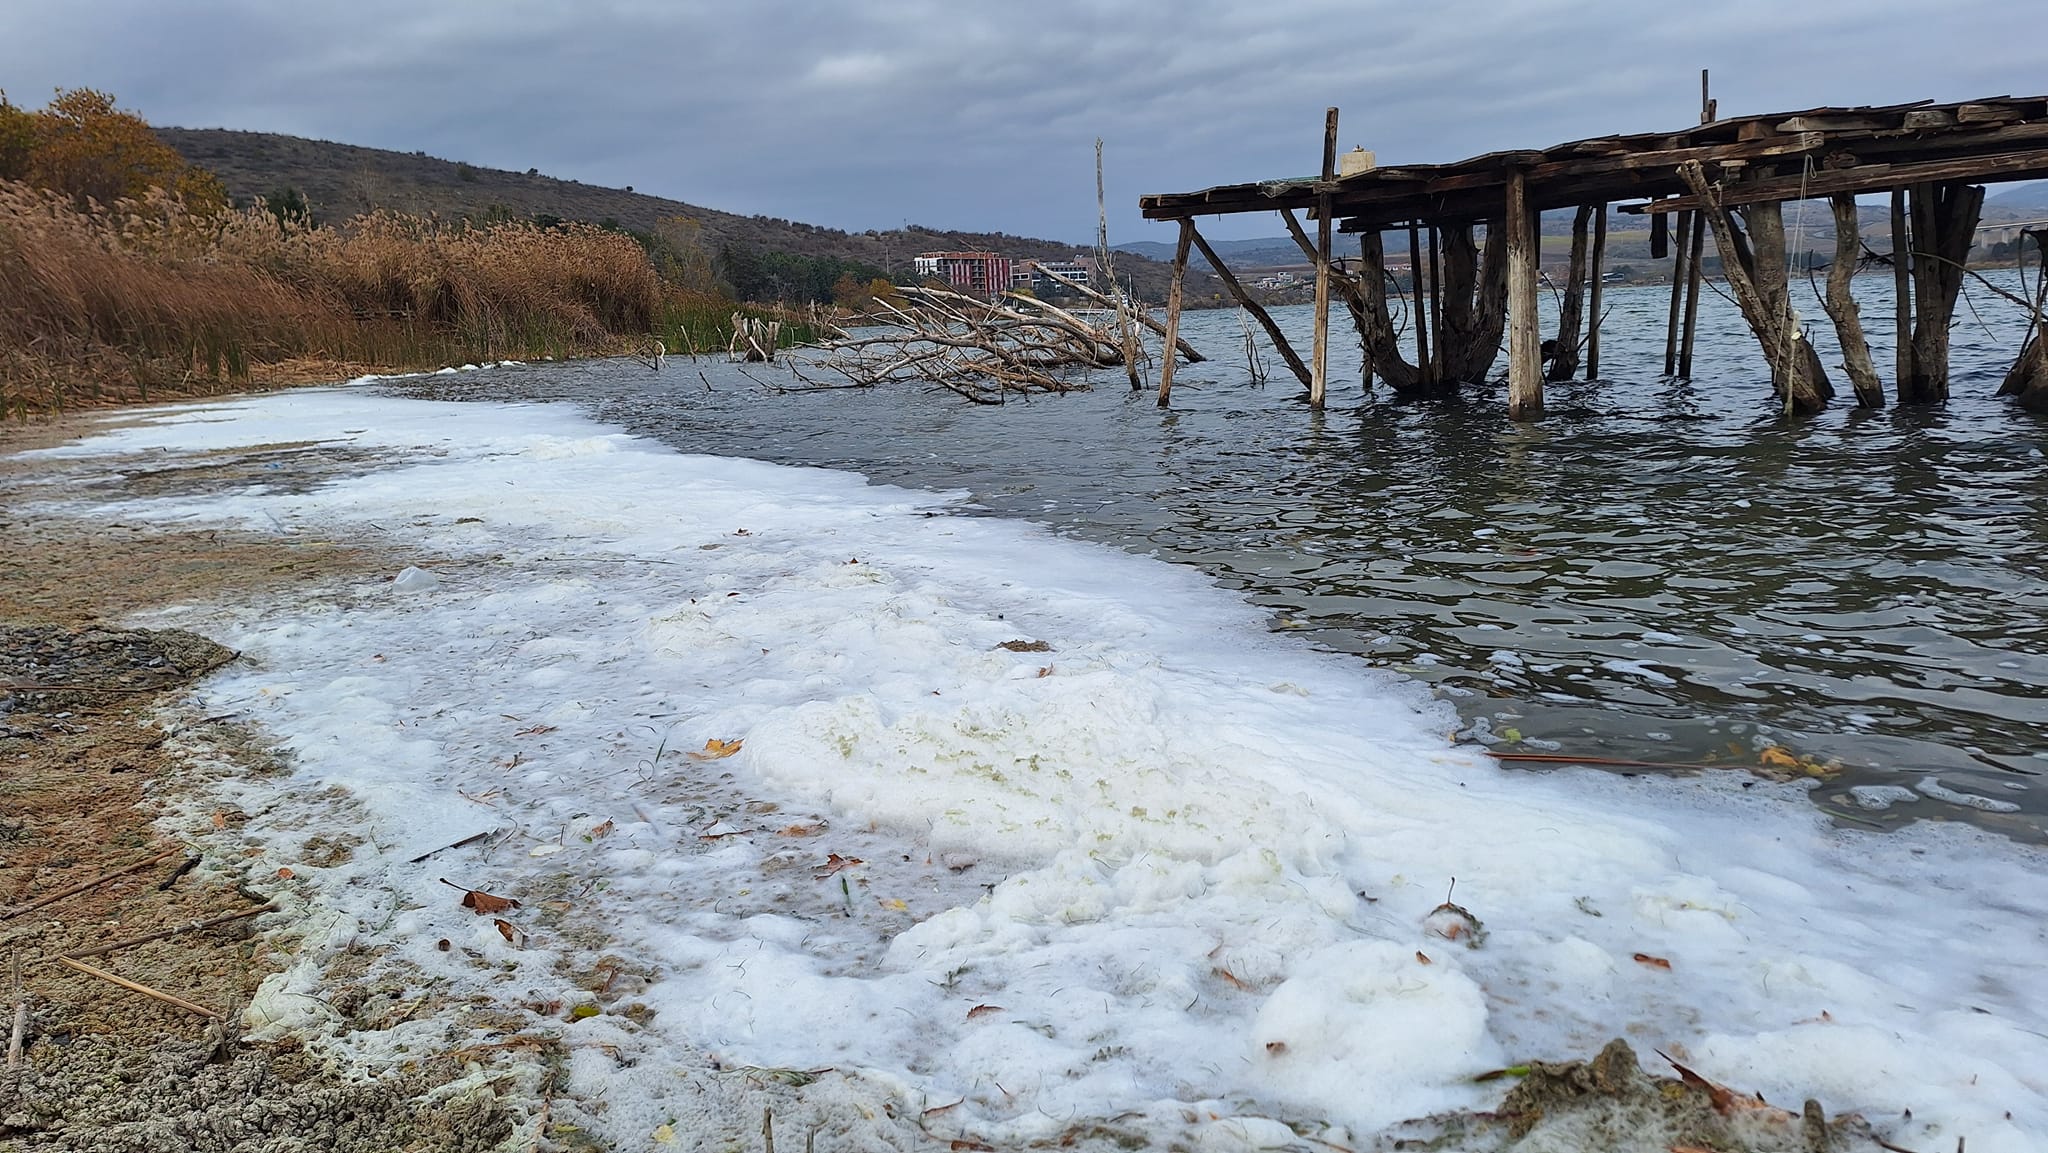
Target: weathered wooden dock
<point x="1473" y="248"/>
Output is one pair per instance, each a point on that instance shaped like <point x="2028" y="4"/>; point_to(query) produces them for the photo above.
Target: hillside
<point x="342" y="180"/>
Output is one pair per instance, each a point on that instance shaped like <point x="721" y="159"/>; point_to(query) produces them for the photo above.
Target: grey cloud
<point x="983" y="114"/>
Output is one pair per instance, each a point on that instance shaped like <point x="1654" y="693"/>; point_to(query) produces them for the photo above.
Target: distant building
<point x="1037" y="275"/>
<point x="979" y="273"/>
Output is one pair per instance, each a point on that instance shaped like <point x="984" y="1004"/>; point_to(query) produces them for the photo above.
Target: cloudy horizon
<point x="985" y="118"/>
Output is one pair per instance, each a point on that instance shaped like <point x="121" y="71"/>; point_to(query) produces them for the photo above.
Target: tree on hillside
<point x="87" y="149"/>
<point x="17" y="140"/>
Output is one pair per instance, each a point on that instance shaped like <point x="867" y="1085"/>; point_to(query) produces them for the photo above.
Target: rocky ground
<point x="90" y="756"/>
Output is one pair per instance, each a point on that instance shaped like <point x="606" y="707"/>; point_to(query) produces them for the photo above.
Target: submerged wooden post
<point x="1902" y="295"/>
<point x="1695" y="273"/>
<point x="1571" y="310"/>
<point x="1599" y="274"/>
<point x="1321" y="375"/>
<point x="1245" y="301"/>
<point x="1436" y="312"/>
<point x="1415" y="291"/>
<point x="1678" y="252"/>
<point x="1843" y="310"/>
<point x="1525" y="351"/>
<point x="1168" y="354"/>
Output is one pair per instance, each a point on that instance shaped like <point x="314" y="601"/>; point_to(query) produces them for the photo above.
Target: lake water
<point x="1656" y="571"/>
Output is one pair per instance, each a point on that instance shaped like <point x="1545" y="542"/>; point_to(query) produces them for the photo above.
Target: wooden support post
<point x="1436" y="312"/>
<point x="1843" y="310"/>
<point x="1167" y="355"/>
<point x="1678" y="266"/>
<point x="1902" y="295"/>
<point x="1695" y="273"/>
<point x="1525" y="352"/>
<point x="1367" y="342"/>
<point x="1420" y="313"/>
<point x="1321" y="374"/>
<point x="1245" y="301"/>
<point x="1564" y="364"/>
<point x="1598" y="278"/>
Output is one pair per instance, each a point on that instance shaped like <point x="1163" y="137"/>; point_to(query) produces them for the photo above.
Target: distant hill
<point x="343" y="180"/>
<point x="2030" y="199"/>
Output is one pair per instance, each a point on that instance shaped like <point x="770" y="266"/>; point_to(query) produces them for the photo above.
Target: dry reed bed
<point x="144" y="295"/>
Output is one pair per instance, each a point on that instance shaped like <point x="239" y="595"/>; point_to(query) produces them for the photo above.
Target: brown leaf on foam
<point x="1652" y="962"/>
<point x="510" y="932"/>
<point x="835" y="863"/>
<point x="717" y="750"/>
<point x="483" y="903"/>
<point x="1423" y="957"/>
<point x="983" y="1011"/>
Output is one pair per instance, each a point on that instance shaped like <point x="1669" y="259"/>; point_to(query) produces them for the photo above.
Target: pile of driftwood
<point x="980" y="349"/>
<point x="986" y="350"/>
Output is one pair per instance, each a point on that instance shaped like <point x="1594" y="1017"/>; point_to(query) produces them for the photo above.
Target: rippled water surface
<point x="1656" y="571"/>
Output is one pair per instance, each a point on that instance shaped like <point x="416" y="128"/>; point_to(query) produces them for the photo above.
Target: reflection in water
<point x="1657" y="570"/>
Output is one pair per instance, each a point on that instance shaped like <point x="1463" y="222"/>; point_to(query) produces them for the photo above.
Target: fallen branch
<point x="82" y="886"/>
<point x="139" y="987"/>
<point x="188" y="927"/>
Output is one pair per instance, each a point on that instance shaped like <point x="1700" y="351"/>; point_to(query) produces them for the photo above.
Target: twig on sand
<point x="188" y="927"/>
<point x="82" y="886"/>
<point x="20" y="1017"/>
<point x="185" y="866"/>
<point x="138" y="987"/>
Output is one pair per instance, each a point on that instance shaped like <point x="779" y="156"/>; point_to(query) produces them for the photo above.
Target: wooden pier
<point x="1726" y="177"/>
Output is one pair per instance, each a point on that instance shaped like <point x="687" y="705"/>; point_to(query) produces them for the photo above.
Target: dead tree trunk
<point x="1571" y="310"/>
<point x="1475" y="302"/>
<point x="1944" y="220"/>
<point x="2028" y="379"/>
<point x="1842" y="308"/>
<point x="1376" y="324"/>
<point x="1759" y="279"/>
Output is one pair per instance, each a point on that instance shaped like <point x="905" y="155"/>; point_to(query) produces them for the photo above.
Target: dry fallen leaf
<point x="1045" y="671"/>
<point x="1423" y="957"/>
<point x="285" y="874"/>
<point x="1231" y="979"/>
<point x="1653" y="962"/>
<point x="802" y="830"/>
<point x="983" y="1011"/>
<point x="220" y="820"/>
<point x="835" y="863"/>
<point x="717" y="750"/>
<point x="1276" y="1048"/>
<point x="1778" y="758"/>
<point x="484" y="903"/>
<point x="604" y="830"/>
<point x="509" y="931"/>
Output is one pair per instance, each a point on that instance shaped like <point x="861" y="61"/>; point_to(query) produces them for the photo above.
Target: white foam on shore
<point x="1209" y="853"/>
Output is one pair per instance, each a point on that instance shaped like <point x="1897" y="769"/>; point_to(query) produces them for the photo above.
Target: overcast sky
<point x="982" y="114"/>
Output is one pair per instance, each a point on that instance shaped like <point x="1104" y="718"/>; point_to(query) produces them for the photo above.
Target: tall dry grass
<point x="115" y="302"/>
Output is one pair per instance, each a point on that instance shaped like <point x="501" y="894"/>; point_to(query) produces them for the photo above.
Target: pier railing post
<point x="1319" y="380"/>
<point x="1525" y="351"/>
